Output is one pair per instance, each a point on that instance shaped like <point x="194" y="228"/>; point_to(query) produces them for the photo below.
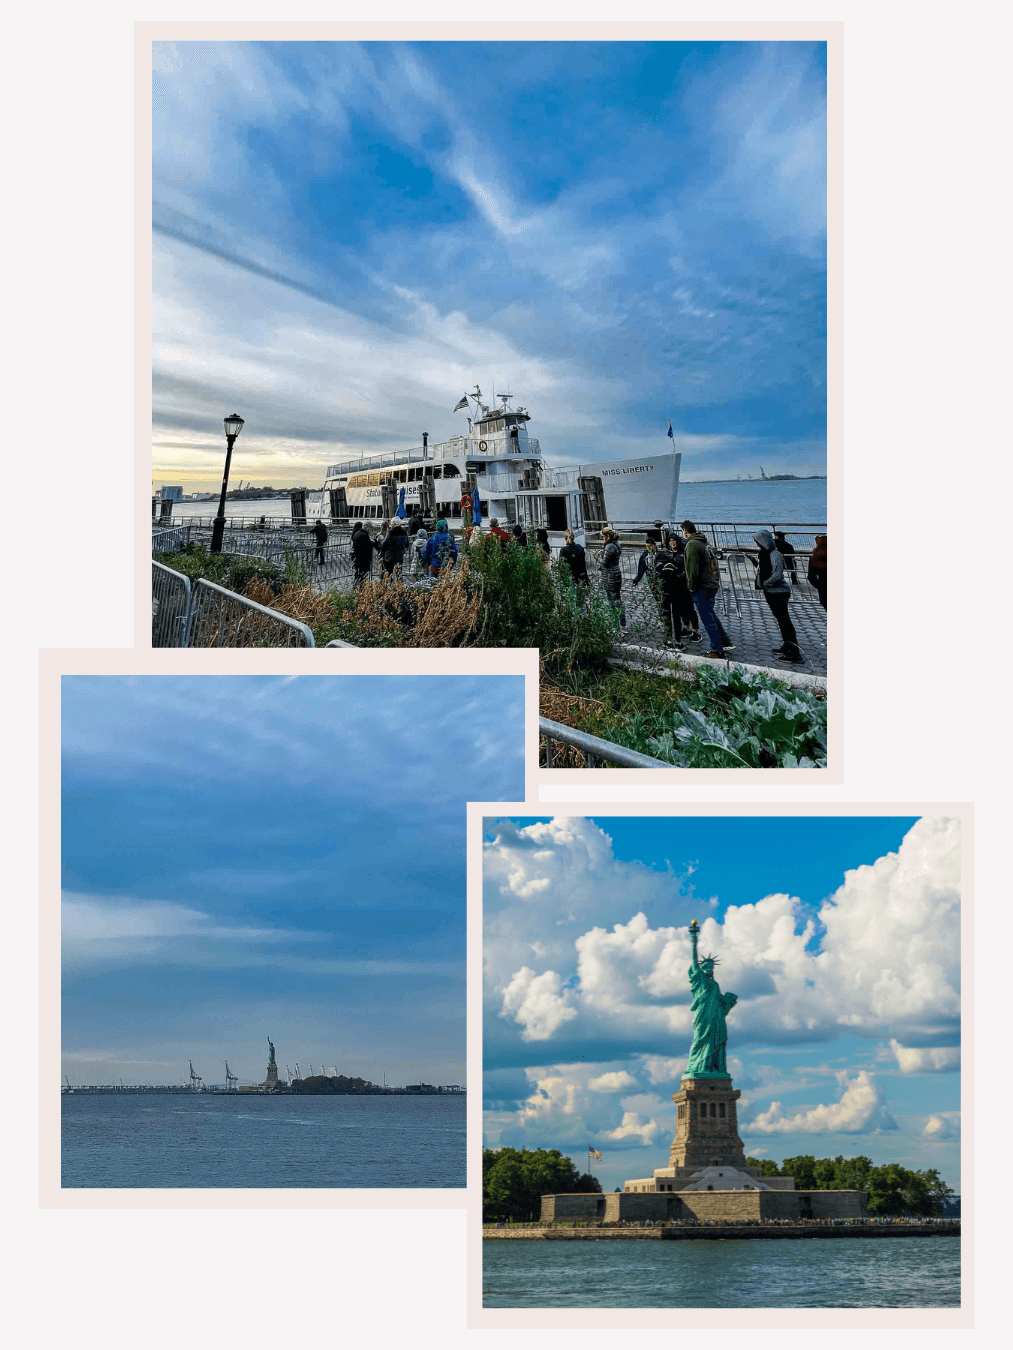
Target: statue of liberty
<point x="270" y="1063"/>
<point x="710" y="1034"/>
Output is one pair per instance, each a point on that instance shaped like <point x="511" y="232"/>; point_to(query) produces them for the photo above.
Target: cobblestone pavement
<point x="748" y="621"/>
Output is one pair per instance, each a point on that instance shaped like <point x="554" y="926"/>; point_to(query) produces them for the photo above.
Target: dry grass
<point x="297" y="602"/>
<point x="445" y="616"/>
<point x="559" y="706"/>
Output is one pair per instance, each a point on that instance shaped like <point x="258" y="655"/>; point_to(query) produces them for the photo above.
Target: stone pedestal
<point x="707" y="1127"/>
<point x="271" y="1081"/>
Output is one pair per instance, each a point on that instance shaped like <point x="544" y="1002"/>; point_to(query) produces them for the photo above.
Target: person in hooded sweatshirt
<point x="771" y="581"/>
<point x="439" y="546"/>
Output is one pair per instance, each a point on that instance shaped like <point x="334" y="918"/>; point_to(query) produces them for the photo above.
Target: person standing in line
<point x="498" y="533"/>
<point x="542" y="537"/>
<point x="702" y="579"/>
<point x="520" y="536"/>
<point x="362" y="553"/>
<point x="415" y="524"/>
<point x="611" y="572"/>
<point x="421" y="540"/>
<point x="441" y="543"/>
<point x="659" y="566"/>
<point x="684" y="607"/>
<point x="816" y="573"/>
<point x="393" y="551"/>
<point x="573" y="555"/>
<point x="320" y="535"/>
<point x="771" y="581"/>
<point x="787" y="552"/>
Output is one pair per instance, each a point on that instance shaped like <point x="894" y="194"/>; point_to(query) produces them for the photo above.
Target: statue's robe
<point x="710" y="1031"/>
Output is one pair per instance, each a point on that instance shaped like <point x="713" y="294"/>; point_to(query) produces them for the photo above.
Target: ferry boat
<point x="499" y="458"/>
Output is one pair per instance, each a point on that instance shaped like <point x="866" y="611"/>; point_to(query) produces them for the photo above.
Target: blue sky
<point x="840" y="936"/>
<point x="274" y="855"/>
<point x="348" y="236"/>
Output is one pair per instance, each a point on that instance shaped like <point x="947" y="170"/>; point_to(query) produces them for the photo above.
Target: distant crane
<point x="298" y="1071"/>
<point x="312" y="1074"/>
<point x="196" y="1082"/>
<point x="288" y="1073"/>
<point x="230" y="1079"/>
<point x="66" y="1080"/>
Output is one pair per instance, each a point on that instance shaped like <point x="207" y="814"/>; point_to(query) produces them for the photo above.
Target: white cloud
<point x="619" y="1081"/>
<point x="882" y="955"/>
<point x="632" y="1127"/>
<point x="930" y="1059"/>
<point x="661" y="1069"/>
<point x="942" y="1126"/>
<point x="861" y="1109"/>
<point x="535" y="1002"/>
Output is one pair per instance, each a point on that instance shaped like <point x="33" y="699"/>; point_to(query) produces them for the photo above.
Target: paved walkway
<point x="748" y="621"/>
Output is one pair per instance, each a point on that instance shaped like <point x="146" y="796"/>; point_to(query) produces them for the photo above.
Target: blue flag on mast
<point x="670" y="431"/>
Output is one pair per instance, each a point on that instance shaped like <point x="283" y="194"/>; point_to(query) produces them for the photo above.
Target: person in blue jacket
<point x="438" y="547"/>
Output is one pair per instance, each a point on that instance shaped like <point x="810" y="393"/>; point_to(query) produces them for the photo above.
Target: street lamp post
<point x="233" y="426"/>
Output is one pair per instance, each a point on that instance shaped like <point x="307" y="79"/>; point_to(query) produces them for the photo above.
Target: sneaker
<point x="718" y="655"/>
<point x="677" y="646"/>
<point x="692" y="637"/>
<point x="728" y="646"/>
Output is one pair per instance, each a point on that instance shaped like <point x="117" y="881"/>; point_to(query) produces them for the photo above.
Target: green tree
<point x="768" y="1167"/>
<point x="514" y="1181"/>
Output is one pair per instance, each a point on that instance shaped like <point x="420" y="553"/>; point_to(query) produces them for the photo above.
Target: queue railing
<point x="556" y="739"/>
<point x="223" y="618"/>
<point x="170" y="606"/>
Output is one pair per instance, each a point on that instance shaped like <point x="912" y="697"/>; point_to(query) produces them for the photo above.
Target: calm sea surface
<point x="178" y="1140"/>
<point x="820" y="1273"/>
<point x="753" y="503"/>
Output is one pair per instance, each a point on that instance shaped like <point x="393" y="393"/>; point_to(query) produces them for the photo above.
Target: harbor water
<point x="909" y="1272"/>
<point x="210" y="1140"/>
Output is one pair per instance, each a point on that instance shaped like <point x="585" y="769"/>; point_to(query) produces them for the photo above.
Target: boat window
<point x="451" y="471"/>
<point x="438" y="472"/>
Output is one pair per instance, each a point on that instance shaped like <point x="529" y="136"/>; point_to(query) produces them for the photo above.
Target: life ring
<point x="483" y="445"/>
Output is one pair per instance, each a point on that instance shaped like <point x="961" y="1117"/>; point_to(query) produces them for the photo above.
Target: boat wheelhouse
<point x="498" y="458"/>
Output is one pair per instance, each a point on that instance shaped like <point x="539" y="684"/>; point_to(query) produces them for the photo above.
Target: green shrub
<point x="225" y="569"/>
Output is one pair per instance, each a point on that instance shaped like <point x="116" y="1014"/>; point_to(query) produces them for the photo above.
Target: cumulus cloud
<point x="534" y="1001"/>
<point x="882" y="953"/>
<point x="660" y="1069"/>
<point x="632" y="1127"/>
<point x="928" y="1059"/>
<point x="619" y="1081"/>
<point x="942" y="1126"/>
<point x="860" y="1109"/>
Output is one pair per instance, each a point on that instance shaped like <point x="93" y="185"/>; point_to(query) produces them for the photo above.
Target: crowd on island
<point x="681" y="569"/>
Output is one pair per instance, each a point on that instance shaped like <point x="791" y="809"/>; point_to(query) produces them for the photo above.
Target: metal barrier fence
<point x="594" y="750"/>
<point x="208" y="615"/>
<point x="221" y="618"/>
<point x="170" y="606"/>
<point x="170" y="541"/>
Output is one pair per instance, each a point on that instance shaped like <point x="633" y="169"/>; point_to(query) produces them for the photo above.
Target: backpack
<point x="710" y="576"/>
<point x="666" y="565"/>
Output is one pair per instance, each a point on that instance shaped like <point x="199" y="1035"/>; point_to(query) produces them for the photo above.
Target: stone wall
<point x="680" y="1205"/>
